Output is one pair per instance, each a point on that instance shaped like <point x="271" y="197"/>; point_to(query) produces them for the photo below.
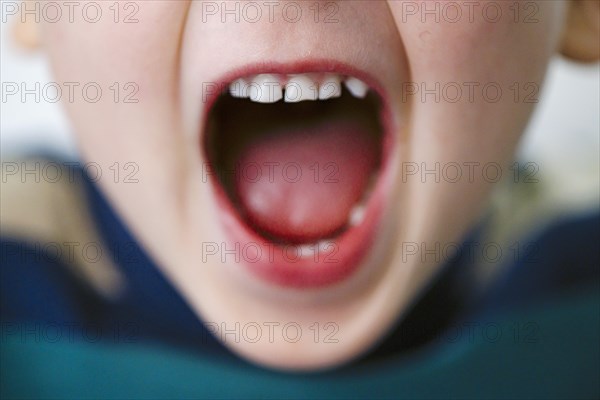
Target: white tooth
<point x="357" y="215"/>
<point x="299" y="88"/>
<point x="330" y="87"/>
<point x="239" y="88"/>
<point x="265" y="88"/>
<point x="307" y="250"/>
<point x="357" y="87"/>
<point x="326" y="247"/>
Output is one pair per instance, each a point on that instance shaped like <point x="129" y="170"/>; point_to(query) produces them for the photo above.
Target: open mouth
<point x="297" y="161"/>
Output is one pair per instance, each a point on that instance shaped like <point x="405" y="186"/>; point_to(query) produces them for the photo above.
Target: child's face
<point x="457" y="122"/>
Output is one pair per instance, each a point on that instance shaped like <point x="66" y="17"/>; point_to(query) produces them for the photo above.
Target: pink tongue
<point x="301" y="185"/>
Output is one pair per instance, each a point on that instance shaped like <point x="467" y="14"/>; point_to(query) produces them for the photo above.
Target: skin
<point x="170" y="52"/>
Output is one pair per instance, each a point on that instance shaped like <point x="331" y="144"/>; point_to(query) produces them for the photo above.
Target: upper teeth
<point x="357" y="87"/>
<point x="265" y="89"/>
<point x="269" y="88"/>
<point x="238" y="88"/>
<point x="300" y="87"/>
<point x="330" y="87"/>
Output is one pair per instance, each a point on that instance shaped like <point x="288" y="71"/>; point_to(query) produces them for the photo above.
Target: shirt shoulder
<point x="45" y="214"/>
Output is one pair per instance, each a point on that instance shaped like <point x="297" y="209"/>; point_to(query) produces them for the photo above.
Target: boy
<point x="309" y="180"/>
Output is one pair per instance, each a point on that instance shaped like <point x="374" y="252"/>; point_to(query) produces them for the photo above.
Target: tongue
<point x="300" y="185"/>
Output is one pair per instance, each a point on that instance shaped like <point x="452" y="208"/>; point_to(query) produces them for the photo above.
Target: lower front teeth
<point x="269" y="88"/>
<point x="357" y="215"/>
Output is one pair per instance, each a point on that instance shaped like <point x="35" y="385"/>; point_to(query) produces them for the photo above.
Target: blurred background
<point x="563" y="137"/>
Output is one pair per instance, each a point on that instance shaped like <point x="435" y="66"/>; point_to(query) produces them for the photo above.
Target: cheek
<point x="478" y="41"/>
<point x="134" y="66"/>
<point x="495" y="63"/>
<point x="473" y="66"/>
<point x="487" y="39"/>
<point x="135" y="121"/>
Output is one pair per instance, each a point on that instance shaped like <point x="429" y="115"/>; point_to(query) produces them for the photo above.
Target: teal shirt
<point x="556" y="359"/>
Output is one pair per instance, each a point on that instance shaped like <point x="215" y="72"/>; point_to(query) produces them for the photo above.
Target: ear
<point x="26" y="33"/>
<point x="581" y="39"/>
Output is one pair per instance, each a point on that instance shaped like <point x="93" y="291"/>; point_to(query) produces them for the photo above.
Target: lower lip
<point x="308" y="266"/>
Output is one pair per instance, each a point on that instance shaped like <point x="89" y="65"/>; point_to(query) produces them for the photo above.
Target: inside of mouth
<point x="297" y="173"/>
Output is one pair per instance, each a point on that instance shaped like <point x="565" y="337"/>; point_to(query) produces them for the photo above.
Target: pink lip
<point x="341" y="256"/>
